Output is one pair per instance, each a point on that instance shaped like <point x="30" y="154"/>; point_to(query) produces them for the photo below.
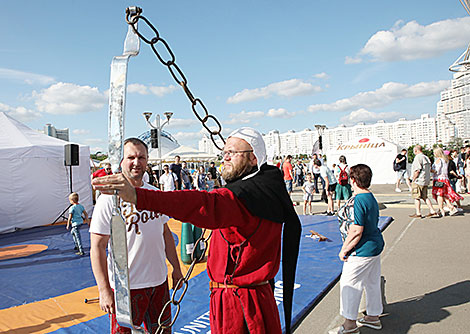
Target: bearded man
<point x="245" y="250"/>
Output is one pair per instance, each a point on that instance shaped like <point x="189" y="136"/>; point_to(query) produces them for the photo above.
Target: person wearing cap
<point x="245" y="248"/>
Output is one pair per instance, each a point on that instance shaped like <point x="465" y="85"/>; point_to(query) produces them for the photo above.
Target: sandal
<point x="372" y="324"/>
<point x="342" y="330"/>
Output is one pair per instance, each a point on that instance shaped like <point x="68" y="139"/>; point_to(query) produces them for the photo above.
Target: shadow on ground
<point x="399" y="317"/>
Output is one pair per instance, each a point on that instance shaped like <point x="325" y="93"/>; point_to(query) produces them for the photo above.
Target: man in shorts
<point x="421" y="177"/>
<point x="149" y="242"/>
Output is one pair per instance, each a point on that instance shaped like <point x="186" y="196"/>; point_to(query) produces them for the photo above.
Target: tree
<point x="427" y="152"/>
<point x="98" y="156"/>
<point x="455" y="144"/>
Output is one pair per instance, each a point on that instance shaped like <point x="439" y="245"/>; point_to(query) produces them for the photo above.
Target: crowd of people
<point x="442" y="176"/>
<point x="245" y="199"/>
<point x="249" y="215"/>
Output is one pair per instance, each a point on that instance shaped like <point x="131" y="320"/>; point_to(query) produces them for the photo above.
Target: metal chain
<point x="204" y="117"/>
<point x="164" y="324"/>
<point x="198" y="107"/>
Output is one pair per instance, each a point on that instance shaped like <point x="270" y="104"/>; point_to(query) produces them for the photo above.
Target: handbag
<point x="438" y="184"/>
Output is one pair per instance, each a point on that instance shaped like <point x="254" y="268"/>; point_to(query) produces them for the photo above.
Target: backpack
<point x="396" y="166"/>
<point x="343" y="176"/>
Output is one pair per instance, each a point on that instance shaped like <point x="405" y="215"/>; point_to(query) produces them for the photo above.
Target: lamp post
<point x="158" y="129"/>
<point x="320" y="129"/>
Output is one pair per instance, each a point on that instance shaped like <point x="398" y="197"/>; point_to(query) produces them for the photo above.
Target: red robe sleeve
<point x="214" y="210"/>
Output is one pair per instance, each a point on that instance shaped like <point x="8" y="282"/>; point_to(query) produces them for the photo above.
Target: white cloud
<point x="352" y="60"/>
<point x="244" y="117"/>
<point x="414" y="41"/>
<point x="178" y="123"/>
<point x="67" y="98"/>
<point x="287" y="88"/>
<point x="96" y="141"/>
<point x="81" y="131"/>
<point x="138" y="88"/>
<point x="280" y="113"/>
<point x="385" y="95"/>
<point x="185" y="136"/>
<point x="26" y="77"/>
<point x="366" y="116"/>
<point x="20" y="113"/>
<point x="97" y="149"/>
<point x="321" y="75"/>
<point x="159" y="91"/>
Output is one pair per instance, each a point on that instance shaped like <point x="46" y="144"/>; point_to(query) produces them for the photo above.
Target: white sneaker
<point x="446" y="209"/>
<point x="459" y="209"/>
<point x="398" y="190"/>
<point x="453" y="212"/>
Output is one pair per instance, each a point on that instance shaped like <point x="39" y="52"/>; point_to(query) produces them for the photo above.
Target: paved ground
<point x="427" y="270"/>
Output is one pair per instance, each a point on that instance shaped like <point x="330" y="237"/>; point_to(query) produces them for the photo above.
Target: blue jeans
<point x="75" y="231"/>
<point x="288" y="185"/>
<point x="315" y="181"/>
<point x="453" y="182"/>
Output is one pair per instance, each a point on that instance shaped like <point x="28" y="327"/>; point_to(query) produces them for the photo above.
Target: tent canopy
<point x="186" y="153"/>
<point x="34" y="179"/>
<point x="375" y="152"/>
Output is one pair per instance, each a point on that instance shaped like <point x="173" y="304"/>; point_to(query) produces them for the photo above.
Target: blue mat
<point x="51" y="273"/>
<point x="58" y="271"/>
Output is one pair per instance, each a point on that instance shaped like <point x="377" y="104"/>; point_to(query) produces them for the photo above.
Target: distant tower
<point x="462" y="64"/>
<point x="453" y="110"/>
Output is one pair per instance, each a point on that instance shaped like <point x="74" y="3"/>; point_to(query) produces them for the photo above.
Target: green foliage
<point x="98" y="156"/>
<point x="428" y="152"/>
<point x="455" y="144"/>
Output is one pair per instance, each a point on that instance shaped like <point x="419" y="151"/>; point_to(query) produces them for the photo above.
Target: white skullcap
<point x="256" y="141"/>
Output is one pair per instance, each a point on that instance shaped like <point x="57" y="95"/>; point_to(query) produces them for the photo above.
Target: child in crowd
<point x="76" y="219"/>
<point x="308" y="188"/>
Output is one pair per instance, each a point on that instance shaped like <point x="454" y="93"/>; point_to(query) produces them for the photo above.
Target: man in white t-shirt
<point x="168" y="180"/>
<point x="149" y="242"/>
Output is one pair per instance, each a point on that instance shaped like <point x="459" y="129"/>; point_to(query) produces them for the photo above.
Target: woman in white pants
<point x="362" y="245"/>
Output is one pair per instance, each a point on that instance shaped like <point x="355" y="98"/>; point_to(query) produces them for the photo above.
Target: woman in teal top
<point x="362" y="245"/>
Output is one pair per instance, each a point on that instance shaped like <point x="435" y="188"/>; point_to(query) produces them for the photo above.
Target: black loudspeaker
<point x="71" y="155"/>
<point x="153" y="138"/>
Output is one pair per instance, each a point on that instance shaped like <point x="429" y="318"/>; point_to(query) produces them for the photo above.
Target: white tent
<point x="34" y="180"/>
<point x="375" y="152"/>
<point x="186" y="153"/>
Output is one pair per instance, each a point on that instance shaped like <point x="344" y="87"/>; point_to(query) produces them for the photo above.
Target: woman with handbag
<point x="362" y="245"/>
<point x="441" y="188"/>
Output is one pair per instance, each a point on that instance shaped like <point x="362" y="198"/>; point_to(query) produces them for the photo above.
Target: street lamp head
<point x="168" y="114"/>
<point x="147" y="115"/>
<point x="320" y="128"/>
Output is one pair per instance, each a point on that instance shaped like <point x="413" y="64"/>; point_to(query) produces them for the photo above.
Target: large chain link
<point x="198" y="107"/>
<point x="204" y="117"/>
<point x="183" y="283"/>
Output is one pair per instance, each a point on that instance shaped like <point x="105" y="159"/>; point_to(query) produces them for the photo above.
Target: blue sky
<point x="268" y="64"/>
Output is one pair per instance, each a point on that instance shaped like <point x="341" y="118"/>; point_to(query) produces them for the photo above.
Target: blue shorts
<point x="288" y="185"/>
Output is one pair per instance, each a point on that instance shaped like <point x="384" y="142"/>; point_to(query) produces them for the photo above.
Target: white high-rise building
<point x="453" y="110"/>
<point x="402" y="132"/>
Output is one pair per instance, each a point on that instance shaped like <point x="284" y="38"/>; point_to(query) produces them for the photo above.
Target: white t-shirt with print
<point x="145" y="243"/>
<point x="168" y="181"/>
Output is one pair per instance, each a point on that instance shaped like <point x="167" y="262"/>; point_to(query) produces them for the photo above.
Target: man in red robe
<point x="245" y="250"/>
